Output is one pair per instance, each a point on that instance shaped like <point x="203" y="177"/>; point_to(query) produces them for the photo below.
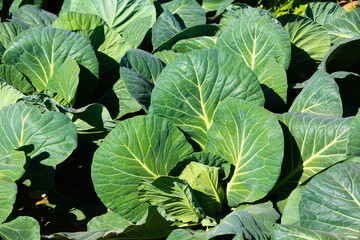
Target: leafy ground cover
<point x="137" y="119"/>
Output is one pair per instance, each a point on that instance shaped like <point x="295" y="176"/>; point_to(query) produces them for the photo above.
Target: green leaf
<point x="118" y="14"/>
<point x="213" y="5"/>
<point x="64" y="82"/>
<point x="119" y="101"/>
<point x="29" y="16"/>
<point x="238" y="10"/>
<point x="204" y="180"/>
<point x="188" y="10"/>
<point x="191" y="32"/>
<point x="191" y="44"/>
<point x="8" y="193"/>
<point x="290" y="212"/>
<point x="20" y="228"/>
<point x="262" y="212"/>
<point x="187" y="234"/>
<point x="353" y="141"/>
<point x="174" y="195"/>
<point x="8" y="94"/>
<point x="309" y="44"/>
<point x="250" y="138"/>
<point x="344" y="26"/>
<point x="342" y="56"/>
<point x="340" y="215"/>
<point x="110" y="220"/>
<point x="8" y="32"/>
<point x="204" y="79"/>
<point x="75" y="21"/>
<point x="165" y="27"/>
<point x="241" y="224"/>
<point x="13" y="77"/>
<point x="166" y="56"/>
<point x="323" y="12"/>
<point x="144" y="147"/>
<point x="313" y="143"/>
<point x="50" y="137"/>
<point x="135" y="33"/>
<point x="320" y="96"/>
<point x="140" y="71"/>
<point x="39" y="52"/>
<point x="252" y="39"/>
<point x="286" y="232"/>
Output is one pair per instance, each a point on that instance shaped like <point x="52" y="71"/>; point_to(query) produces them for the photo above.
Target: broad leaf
<point x="166" y="56"/>
<point x="8" y="94"/>
<point x="50" y="137"/>
<point x="30" y="16"/>
<point x="323" y="12"/>
<point x="188" y="10"/>
<point x="213" y="5"/>
<point x="118" y="14"/>
<point x="64" y="82"/>
<point x="204" y="79"/>
<point x="313" y="143"/>
<point x="287" y="232"/>
<point x="119" y="101"/>
<point x="8" y="193"/>
<point x="191" y="44"/>
<point x="8" y="32"/>
<point x="320" y="96"/>
<point x="174" y="195"/>
<point x="340" y="215"/>
<point x="290" y="212"/>
<point x="353" y="141"/>
<point x="110" y="220"/>
<point x="140" y="71"/>
<point x="13" y="77"/>
<point x="310" y="42"/>
<point x="20" y="228"/>
<point x="75" y="21"/>
<point x="39" y="52"/>
<point x="165" y="27"/>
<point x="187" y="234"/>
<point x="204" y="180"/>
<point x="252" y="39"/>
<point x="250" y="138"/>
<point x="191" y="32"/>
<point x="144" y="147"/>
<point x="345" y="26"/>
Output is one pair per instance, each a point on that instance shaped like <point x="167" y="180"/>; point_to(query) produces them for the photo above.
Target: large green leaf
<point x="353" y="141"/>
<point x="110" y="220"/>
<point x="213" y="5"/>
<point x="50" y="137"/>
<point x="39" y="52"/>
<point x="191" y="32"/>
<point x="340" y="214"/>
<point x="144" y="147"/>
<point x="119" y="101"/>
<point x="20" y="228"/>
<point x="191" y="87"/>
<point x="30" y="16"/>
<point x="257" y="39"/>
<point x="166" y="56"/>
<point x="235" y="11"/>
<point x="310" y="42"/>
<point x="290" y="232"/>
<point x="8" y="94"/>
<point x="140" y="71"/>
<point x="204" y="180"/>
<point x="320" y="96"/>
<point x="8" y="31"/>
<point x="75" y="21"/>
<point x="165" y="27"/>
<point x="11" y="169"/>
<point x="13" y="77"/>
<point x="344" y="26"/>
<point x="118" y="14"/>
<point x="174" y="195"/>
<point x="313" y="143"/>
<point x="188" y="10"/>
<point x="187" y="234"/>
<point x="188" y="45"/>
<point x="250" y="138"/>
<point x="290" y="207"/>
<point x="323" y="12"/>
<point x="64" y="82"/>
